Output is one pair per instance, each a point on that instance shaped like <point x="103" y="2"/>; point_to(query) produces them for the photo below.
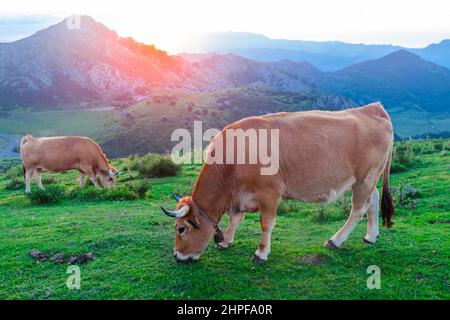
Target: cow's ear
<point x="193" y="223"/>
<point x="197" y="220"/>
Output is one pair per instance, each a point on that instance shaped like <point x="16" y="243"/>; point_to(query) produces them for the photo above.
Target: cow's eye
<point x="181" y="230"/>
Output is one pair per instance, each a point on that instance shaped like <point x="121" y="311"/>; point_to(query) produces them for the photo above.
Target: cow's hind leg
<point x="372" y="218"/>
<point x="228" y="235"/>
<point x="360" y="197"/>
<point x="37" y="179"/>
<point x="81" y="179"/>
<point x="267" y="220"/>
<point x="28" y="175"/>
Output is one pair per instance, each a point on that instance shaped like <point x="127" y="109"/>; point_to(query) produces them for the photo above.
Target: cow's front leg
<point x="28" y="175"/>
<point x="263" y="251"/>
<point x="267" y="220"/>
<point x="360" y="202"/>
<point x="228" y="235"/>
<point x="93" y="179"/>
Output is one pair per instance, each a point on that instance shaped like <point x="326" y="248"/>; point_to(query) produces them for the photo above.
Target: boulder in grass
<point x="82" y="258"/>
<point x="58" y="258"/>
<point x="38" y="255"/>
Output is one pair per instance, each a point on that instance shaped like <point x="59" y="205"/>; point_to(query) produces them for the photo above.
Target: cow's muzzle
<point x="180" y="258"/>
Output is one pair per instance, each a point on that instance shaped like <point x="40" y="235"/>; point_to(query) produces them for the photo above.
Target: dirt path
<point x="8" y="151"/>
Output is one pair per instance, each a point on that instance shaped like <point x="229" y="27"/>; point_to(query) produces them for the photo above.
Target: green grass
<point x="59" y="122"/>
<point x="133" y="241"/>
<point x="411" y="121"/>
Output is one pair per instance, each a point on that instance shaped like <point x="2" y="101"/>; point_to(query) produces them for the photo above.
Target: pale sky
<point x="168" y="23"/>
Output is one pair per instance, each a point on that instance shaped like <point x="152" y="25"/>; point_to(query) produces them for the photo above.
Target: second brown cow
<point x="57" y="154"/>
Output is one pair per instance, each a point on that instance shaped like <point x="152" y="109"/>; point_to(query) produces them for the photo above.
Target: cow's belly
<point x="57" y="166"/>
<point x="328" y="192"/>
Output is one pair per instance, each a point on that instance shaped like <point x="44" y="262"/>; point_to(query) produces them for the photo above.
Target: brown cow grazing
<point x="58" y="154"/>
<point x="321" y="155"/>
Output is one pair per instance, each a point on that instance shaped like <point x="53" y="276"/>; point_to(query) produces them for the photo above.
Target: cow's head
<point x="108" y="177"/>
<point x="193" y="230"/>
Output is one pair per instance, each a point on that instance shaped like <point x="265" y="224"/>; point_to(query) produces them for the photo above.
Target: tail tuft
<point x="387" y="203"/>
<point x="387" y="207"/>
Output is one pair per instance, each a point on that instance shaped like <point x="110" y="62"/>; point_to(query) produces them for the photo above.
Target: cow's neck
<point x="211" y="192"/>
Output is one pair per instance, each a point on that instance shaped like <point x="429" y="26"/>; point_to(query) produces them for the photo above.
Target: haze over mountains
<point x="63" y="66"/>
<point x="325" y="55"/>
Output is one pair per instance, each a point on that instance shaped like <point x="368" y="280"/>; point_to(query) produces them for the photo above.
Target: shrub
<point x="14" y="172"/>
<point x="140" y="187"/>
<point x="405" y="195"/>
<point x="438" y="146"/>
<point x="52" y="194"/>
<point x="6" y="164"/>
<point x="403" y="154"/>
<point x="48" y="179"/>
<point x="15" y="183"/>
<point x="117" y="193"/>
<point x="87" y="193"/>
<point x="155" y="165"/>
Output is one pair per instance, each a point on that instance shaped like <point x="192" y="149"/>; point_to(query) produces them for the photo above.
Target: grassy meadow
<point x="133" y="241"/>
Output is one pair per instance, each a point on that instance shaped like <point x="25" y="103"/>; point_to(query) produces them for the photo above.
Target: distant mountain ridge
<point x="326" y="55"/>
<point x="400" y="78"/>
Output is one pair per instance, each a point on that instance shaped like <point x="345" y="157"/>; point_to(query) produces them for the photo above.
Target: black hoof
<point x="220" y="247"/>
<point x="367" y="242"/>
<point x="258" y="260"/>
<point x="330" y="245"/>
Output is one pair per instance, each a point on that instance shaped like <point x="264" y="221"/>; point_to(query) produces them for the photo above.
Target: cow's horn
<point x="176" y="197"/>
<point x="177" y="214"/>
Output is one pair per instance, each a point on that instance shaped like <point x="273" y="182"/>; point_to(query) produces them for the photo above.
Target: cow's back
<point x="321" y="151"/>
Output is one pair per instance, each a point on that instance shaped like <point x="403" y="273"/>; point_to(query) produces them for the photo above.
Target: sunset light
<point x="171" y="24"/>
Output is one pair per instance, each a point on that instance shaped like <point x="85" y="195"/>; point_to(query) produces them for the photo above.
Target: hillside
<point x="148" y="125"/>
<point x="398" y="79"/>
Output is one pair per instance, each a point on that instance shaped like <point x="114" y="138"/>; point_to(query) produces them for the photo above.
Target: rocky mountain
<point x="398" y="79"/>
<point x="63" y="64"/>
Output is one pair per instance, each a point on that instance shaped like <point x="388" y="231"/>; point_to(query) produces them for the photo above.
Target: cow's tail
<point x="387" y="203"/>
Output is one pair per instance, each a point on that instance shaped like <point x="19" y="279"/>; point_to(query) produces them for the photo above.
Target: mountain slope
<point x="438" y="53"/>
<point x="400" y="78"/>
